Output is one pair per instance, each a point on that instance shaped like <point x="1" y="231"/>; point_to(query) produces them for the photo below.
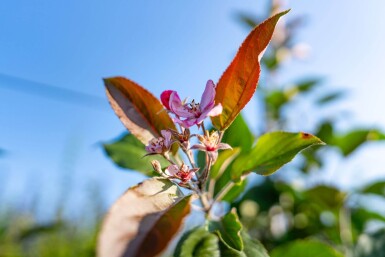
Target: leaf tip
<point x="307" y="136"/>
<point x="284" y="12"/>
<point x="107" y="82"/>
<point x="287" y="11"/>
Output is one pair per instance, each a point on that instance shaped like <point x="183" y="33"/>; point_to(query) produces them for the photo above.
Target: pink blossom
<point x="189" y="114"/>
<point x="161" y="144"/>
<point x="183" y="173"/>
<point x="210" y="144"/>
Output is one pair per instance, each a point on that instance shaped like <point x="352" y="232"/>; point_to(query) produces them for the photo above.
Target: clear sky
<point x="52" y="137"/>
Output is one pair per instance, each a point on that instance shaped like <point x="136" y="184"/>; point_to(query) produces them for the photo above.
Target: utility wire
<point x="52" y="92"/>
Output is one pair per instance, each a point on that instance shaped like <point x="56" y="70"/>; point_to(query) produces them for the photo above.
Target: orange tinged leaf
<point x="239" y="82"/>
<point x="143" y="220"/>
<point x="140" y="111"/>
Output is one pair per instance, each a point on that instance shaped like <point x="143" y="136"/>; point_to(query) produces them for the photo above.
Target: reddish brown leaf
<point x="143" y="220"/>
<point x="239" y="82"/>
<point x="140" y="112"/>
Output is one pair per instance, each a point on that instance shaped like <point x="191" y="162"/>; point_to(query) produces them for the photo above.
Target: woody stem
<point x="205" y="202"/>
<point x="204" y="176"/>
<point x="167" y="157"/>
<point x="190" y="157"/>
<point x="203" y="128"/>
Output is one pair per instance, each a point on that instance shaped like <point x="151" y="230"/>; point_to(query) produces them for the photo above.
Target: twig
<point x="222" y="193"/>
<point x="167" y="157"/>
<point x="204" y="176"/>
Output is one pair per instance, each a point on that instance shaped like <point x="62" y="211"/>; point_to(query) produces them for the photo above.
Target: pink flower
<point x="193" y="113"/>
<point x="161" y="144"/>
<point x="183" y="173"/>
<point x="211" y="145"/>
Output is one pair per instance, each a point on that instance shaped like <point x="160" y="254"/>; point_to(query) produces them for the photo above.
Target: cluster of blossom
<point x="187" y="114"/>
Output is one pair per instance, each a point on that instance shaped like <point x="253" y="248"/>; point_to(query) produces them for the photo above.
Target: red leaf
<point x="239" y="82"/>
<point x="140" y="112"/>
<point x="143" y="220"/>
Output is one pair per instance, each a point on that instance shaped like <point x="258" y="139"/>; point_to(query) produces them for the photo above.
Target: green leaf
<point x="148" y="214"/>
<point x="271" y="152"/>
<point x="228" y="230"/>
<point x="248" y="20"/>
<point x="128" y="152"/>
<point x="326" y="197"/>
<point x="236" y="190"/>
<point x="330" y="97"/>
<point x="307" y="84"/>
<point x="276" y="99"/>
<point x="239" y="134"/>
<point x="221" y="173"/>
<point x="231" y="137"/>
<point x="265" y="195"/>
<point x="198" y="242"/>
<point x="371" y="245"/>
<point x="353" y="139"/>
<point x="360" y="217"/>
<point x="221" y="168"/>
<point x="224" y="178"/>
<point x="377" y="188"/>
<point x="224" y="160"/>
<point x="201" y="158"/>
<point x="326" y="132"/>
<point x="271" y="61"/>
<point x="239" y="82"/>
<point x="305" y="248"/>
<point x="139" y="111"/>
<point x="39" y="230"/>
<point x="252" y="248"/>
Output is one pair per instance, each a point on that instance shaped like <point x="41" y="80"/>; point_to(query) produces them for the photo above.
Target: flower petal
<point x="165" y="98"/>
<point x="172" y="170"/>
<point x="189" y="122"/>
<point x="167" y="138"/>
<point x="210" y="112"/>
<point x="215" y="111"/>
<point x="213" y="155"/>
<point x="178" y="108"/>
<point x="198" y="147"/>
<point x="207" y="100"/>
<point x="223" y="146"/>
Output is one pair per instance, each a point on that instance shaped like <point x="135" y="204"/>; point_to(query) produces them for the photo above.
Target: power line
<point x="52" y="92"/>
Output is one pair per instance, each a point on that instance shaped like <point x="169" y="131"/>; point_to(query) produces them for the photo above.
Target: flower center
<point x="195" y="109"/>
<point x="211" y="148"/>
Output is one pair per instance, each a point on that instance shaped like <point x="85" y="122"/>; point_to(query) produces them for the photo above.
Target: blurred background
<point x="322" y="74"/>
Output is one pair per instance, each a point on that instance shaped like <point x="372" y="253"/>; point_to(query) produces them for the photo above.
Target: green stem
<point x="211" y="189"/>
<point x="222" y="193"/>
<point x="167" y="157"/>
<point x="203" y="128"/>
<point x="190" y="157"/>
<point x="204" y="176"/>
<point x="205" y="203"/>
<point x="346" y="231"/>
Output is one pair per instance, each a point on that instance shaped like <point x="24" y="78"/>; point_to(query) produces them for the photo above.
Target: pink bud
<point x="165" y="98"/>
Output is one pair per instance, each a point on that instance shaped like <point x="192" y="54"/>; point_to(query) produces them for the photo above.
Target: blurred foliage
<point x="284" y="217"/>
<point x="22" y="236"/>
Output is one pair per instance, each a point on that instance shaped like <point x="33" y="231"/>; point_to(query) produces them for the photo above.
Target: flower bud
<point x="156" y="165"/>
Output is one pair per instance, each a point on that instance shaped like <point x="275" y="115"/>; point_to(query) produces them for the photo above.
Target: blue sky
<point x="70" y="44"/>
